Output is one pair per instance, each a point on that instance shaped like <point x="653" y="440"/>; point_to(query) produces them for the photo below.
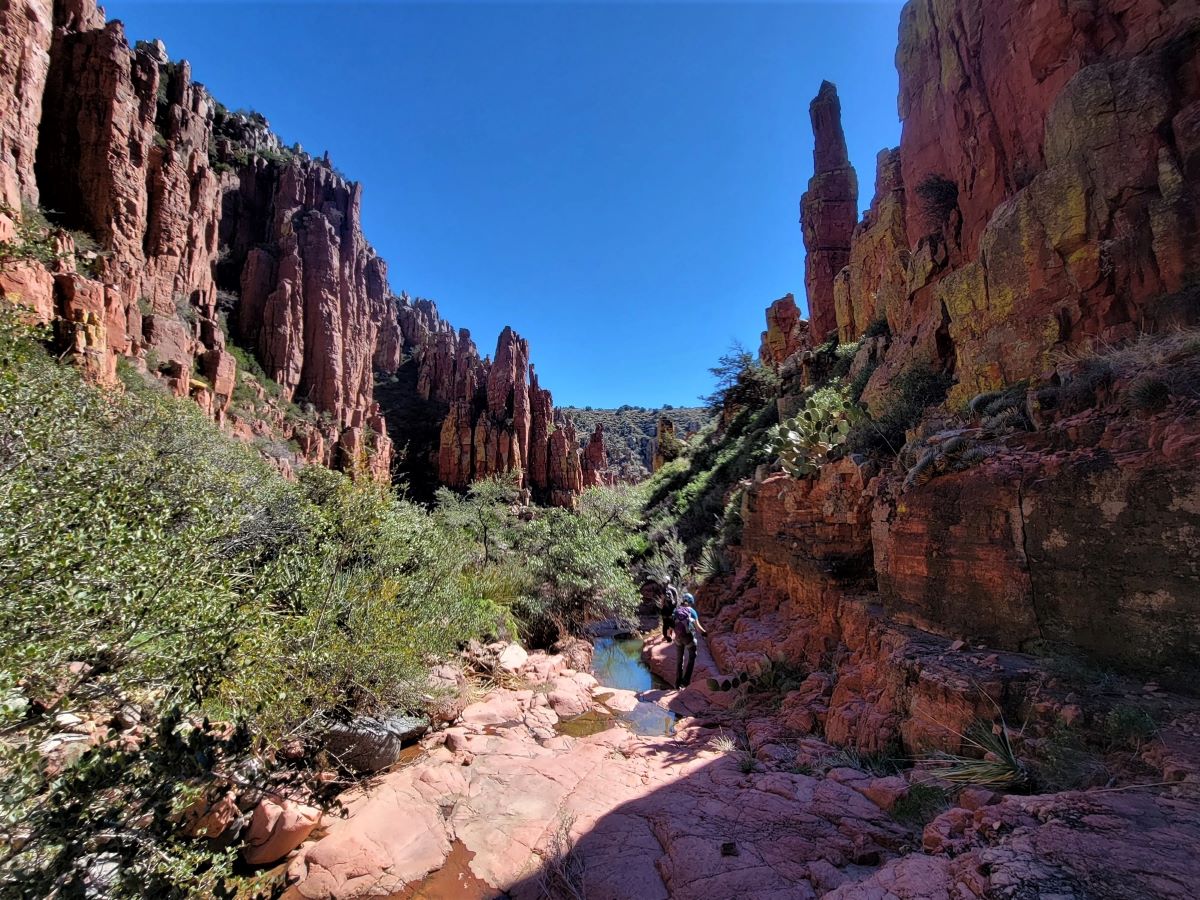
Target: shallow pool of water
<point x="617" y="663"/>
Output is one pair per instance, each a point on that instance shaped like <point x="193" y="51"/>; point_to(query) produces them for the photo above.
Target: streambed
<point x="617" y="663"/>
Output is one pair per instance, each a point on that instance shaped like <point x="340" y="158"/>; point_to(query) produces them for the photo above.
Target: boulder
<point x="277" y="827"/>
<point x="368" y="744"/>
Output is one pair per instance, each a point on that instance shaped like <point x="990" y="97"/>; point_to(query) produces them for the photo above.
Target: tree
<point x="485" y="513"/>
<point x="741" y="380"/>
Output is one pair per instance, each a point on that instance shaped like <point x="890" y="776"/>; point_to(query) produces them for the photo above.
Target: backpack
<point x="685" y="622"/>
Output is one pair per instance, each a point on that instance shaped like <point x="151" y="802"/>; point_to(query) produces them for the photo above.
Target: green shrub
<point x="33" y="241"/>
<point x="190" y="579"/>
<point x="911" y="394"/>
<point x="742" y="380"/>
<point x="920" y="805"/>
<point x="1149" y="394"/>
<point x="1129" y="726"/>
<point x="878" y="328"/>
<point x="937" y="198"/>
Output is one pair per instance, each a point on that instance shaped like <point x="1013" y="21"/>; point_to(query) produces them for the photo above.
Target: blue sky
<point x="619" y="182"/>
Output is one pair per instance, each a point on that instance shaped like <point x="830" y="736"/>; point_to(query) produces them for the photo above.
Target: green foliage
<point x="669" y="446"/>
<point x="742" y="380"/>
<point x="579" y="562"/>
<point x="998" y="767"/>
<point x="937" y="198"/>
<point x="189" y="578"/>
<point x="803" y="443"/>
<point x="1129" y="726"/>
<point x="629" y="430"/>
<point x="1149" y="394"/>
<point x="553" y="570"/>
<point x="690" y="494"/>
<point x="184" y="309"/>
<point x="920" y="805"/>
<point x="34" y="239"/>
<point x="911" y="394"/>
<point x="878" y="328"/>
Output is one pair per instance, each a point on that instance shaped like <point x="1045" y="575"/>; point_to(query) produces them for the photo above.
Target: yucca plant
<point x="805" y="441"/>
<point x="1000" y="768"/>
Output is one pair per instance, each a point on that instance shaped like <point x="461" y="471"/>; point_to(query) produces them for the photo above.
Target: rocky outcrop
<point x="664" y="447"/>
<point x="786" y="334"/>
<point x="495" y="417"/>
<point x="828" y="211"/>
<point x="313" y="294"/>
<point x="872" y="286"/>
<point x="595" y="460"/>
<point x="25" y="35"/>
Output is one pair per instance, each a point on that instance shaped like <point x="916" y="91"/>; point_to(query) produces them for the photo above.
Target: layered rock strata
<point x="1042" y="206"/>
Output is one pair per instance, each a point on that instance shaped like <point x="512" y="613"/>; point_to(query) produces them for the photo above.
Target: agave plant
<point x="999" y="769"/>
<point x="805" y="441"/>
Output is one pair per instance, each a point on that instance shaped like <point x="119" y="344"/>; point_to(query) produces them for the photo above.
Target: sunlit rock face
<point x="186" y="201"/>
<point x="828" y="211"/>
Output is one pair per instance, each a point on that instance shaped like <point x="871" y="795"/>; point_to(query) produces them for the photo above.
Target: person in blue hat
<point x="687" y="624"/>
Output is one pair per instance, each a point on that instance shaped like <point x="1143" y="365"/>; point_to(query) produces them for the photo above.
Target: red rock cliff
<point x="183" y="198"/>
<point x="497" y="418"/>
<point x="1043" y="205"/>
<point x="828" y="210"/>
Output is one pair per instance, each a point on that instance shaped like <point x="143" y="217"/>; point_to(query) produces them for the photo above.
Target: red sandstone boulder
<point x="276" y="829"/>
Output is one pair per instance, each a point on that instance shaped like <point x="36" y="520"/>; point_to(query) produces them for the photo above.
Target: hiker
<point x="686" y="623"/>
<point x="670" y="600"/>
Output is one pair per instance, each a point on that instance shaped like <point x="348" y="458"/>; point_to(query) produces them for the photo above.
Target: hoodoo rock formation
<point x="828" y="210"/>
<point x="206" y="229"/>
<point x="595" y="460"/>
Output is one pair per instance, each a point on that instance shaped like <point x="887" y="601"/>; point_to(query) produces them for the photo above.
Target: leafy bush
<point x="554" y="572"/>
<point x="34" y="240"/>
<point x="690" y="493"/>
<point x="920" y="805"/>
<point x="937" y="197"/>
<point x="1129" y="726"/>
<point x="179" y="572"/>
<point x="878" y="328"/>
<point x="911" y="394"/>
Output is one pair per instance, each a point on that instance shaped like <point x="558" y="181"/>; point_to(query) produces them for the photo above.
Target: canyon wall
<point x="182" y="227"/>
<point x="1041" y="213"/>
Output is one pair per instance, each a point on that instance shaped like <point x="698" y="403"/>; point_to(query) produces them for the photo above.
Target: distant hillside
<point x="629" y="430"/>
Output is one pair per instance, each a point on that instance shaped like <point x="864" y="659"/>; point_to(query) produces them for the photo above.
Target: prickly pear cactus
<point x="804" y="442"/>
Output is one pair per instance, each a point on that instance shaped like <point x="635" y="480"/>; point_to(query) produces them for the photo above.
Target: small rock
<point x="512" y="658"/>
<point x="957" y="645"/>
<point x="128" y="716"/>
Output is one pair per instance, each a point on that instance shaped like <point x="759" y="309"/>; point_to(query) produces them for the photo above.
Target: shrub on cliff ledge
<point x="911" y="394"/>
<point x="742" y="381"/>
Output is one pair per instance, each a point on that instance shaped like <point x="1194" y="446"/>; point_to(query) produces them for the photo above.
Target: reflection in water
<point x="617" y="663"/>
